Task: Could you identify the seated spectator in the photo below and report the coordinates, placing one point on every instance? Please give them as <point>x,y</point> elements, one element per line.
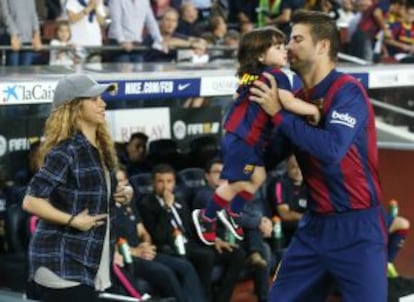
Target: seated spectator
<point>62,38</point>
<point>20,27</point>
<point>256,227</point>
<point>172,39</point>
<point>395,11</point>
<point>163,214</point>
<point>169,276</point>
<point>400,44</point>
<point>290,196</point>
<point>129,18</point>
<point>86,18</point>
<point>398,228</point>
<point>135,158</point>
<point>291,200</point>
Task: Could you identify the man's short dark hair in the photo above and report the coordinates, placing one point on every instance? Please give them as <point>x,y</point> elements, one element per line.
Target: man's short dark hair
<point>139,135</point>
<point>211,163</point>
<point>322,27</point>
<point>162,169</point>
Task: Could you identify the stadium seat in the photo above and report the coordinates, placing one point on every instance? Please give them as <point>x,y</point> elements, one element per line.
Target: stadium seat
<point>202,149</point>
<point>141,183</point>
<point>165,151</point>
<point>15,261</point>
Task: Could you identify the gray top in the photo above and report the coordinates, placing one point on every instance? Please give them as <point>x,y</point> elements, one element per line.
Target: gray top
<point>128,20</point>
<point>19,17</point>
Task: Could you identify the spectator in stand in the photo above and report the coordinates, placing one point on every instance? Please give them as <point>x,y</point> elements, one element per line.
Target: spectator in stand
<point>256,226</point>
<point>159,7</point>
<point>241,11</point>
<point>400,44</point>
<point>188,25</point>
<point>86,18</point>
<point>54,9</point>
<point>329,7</point>
<point>168,275</point>
<point>20,27</point>
<point>163,213</point>
<point>395,11</point>
<point>172,39</point>
<point>370,22</point>
<point>130,19</point>
<point>231,39</point>
<point>135,158</point>
<point>346,13</point>
<point>278,13</point>
<point>63,38</point>
<point>215,34</point>
<point>204,9</point>
<point>290,197</point>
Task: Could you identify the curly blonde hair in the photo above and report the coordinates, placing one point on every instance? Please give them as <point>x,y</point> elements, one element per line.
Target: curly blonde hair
<point>62,124</point>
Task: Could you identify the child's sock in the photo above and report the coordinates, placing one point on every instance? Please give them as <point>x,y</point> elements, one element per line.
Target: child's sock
<point>395,242</point>
<point>239,201</point>
<point>215,204</point>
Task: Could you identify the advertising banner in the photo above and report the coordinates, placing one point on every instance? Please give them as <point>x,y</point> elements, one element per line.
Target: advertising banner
<point>189,123</point>
<point>155,122</point>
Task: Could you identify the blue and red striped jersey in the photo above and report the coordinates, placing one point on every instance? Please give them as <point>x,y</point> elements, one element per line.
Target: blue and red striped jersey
<point>339,157</point>
<point>247,119</point>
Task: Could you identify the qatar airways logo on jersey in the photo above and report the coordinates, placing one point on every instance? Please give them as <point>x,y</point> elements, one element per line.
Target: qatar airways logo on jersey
<point>343,119</point>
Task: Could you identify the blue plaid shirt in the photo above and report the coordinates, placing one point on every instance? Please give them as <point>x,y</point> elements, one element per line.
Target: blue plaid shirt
<point>72,179</point>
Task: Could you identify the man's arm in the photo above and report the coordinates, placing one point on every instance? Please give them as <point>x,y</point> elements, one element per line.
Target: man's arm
<point>347,116</point>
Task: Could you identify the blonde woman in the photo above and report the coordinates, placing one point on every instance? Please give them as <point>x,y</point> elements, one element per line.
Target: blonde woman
<point>73,194</point>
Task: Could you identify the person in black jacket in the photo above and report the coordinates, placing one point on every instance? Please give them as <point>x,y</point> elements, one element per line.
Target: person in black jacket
<point>163,214</point>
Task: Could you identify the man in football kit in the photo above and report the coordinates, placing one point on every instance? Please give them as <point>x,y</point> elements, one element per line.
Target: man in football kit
<point>342,238</point>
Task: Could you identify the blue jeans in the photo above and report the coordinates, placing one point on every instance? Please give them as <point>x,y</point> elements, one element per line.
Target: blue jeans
<point>16,58</point>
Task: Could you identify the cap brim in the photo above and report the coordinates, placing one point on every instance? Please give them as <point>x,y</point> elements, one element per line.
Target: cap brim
<point>97,90</point>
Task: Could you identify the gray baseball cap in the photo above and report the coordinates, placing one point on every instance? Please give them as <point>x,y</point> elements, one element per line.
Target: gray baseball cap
<point>75,86</point>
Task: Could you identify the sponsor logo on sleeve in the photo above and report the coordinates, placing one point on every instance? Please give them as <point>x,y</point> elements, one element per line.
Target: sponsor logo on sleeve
<point>343,119</point>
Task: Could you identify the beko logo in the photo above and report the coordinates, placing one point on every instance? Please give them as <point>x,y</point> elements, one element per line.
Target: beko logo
<point>343,119</point>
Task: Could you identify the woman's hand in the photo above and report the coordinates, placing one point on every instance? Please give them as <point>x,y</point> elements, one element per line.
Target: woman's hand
<point>84,222</point>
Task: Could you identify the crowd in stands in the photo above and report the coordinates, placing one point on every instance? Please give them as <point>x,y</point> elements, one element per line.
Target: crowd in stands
<point>152,31</point>
<point>160,208</point>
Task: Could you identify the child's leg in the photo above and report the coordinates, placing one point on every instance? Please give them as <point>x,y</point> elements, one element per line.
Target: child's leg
<point>247,189</point>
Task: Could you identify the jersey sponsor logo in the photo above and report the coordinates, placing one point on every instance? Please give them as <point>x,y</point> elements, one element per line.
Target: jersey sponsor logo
<point>247,79</point>
<point>248,169</point>
<point>343,118</point>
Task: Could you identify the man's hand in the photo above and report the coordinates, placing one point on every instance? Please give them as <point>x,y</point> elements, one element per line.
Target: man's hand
<point>118,259</point>
<point>145,251</point>
<point>222,245</point>
<point>168,198</point>
<point>128,46</point>
<point>15,43</point>
<point>266,96</point>
<point>36,42</point>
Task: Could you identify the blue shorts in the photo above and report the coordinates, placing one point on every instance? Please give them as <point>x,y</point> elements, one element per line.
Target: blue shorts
<point>346,250</point>
<point>239,158</point>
